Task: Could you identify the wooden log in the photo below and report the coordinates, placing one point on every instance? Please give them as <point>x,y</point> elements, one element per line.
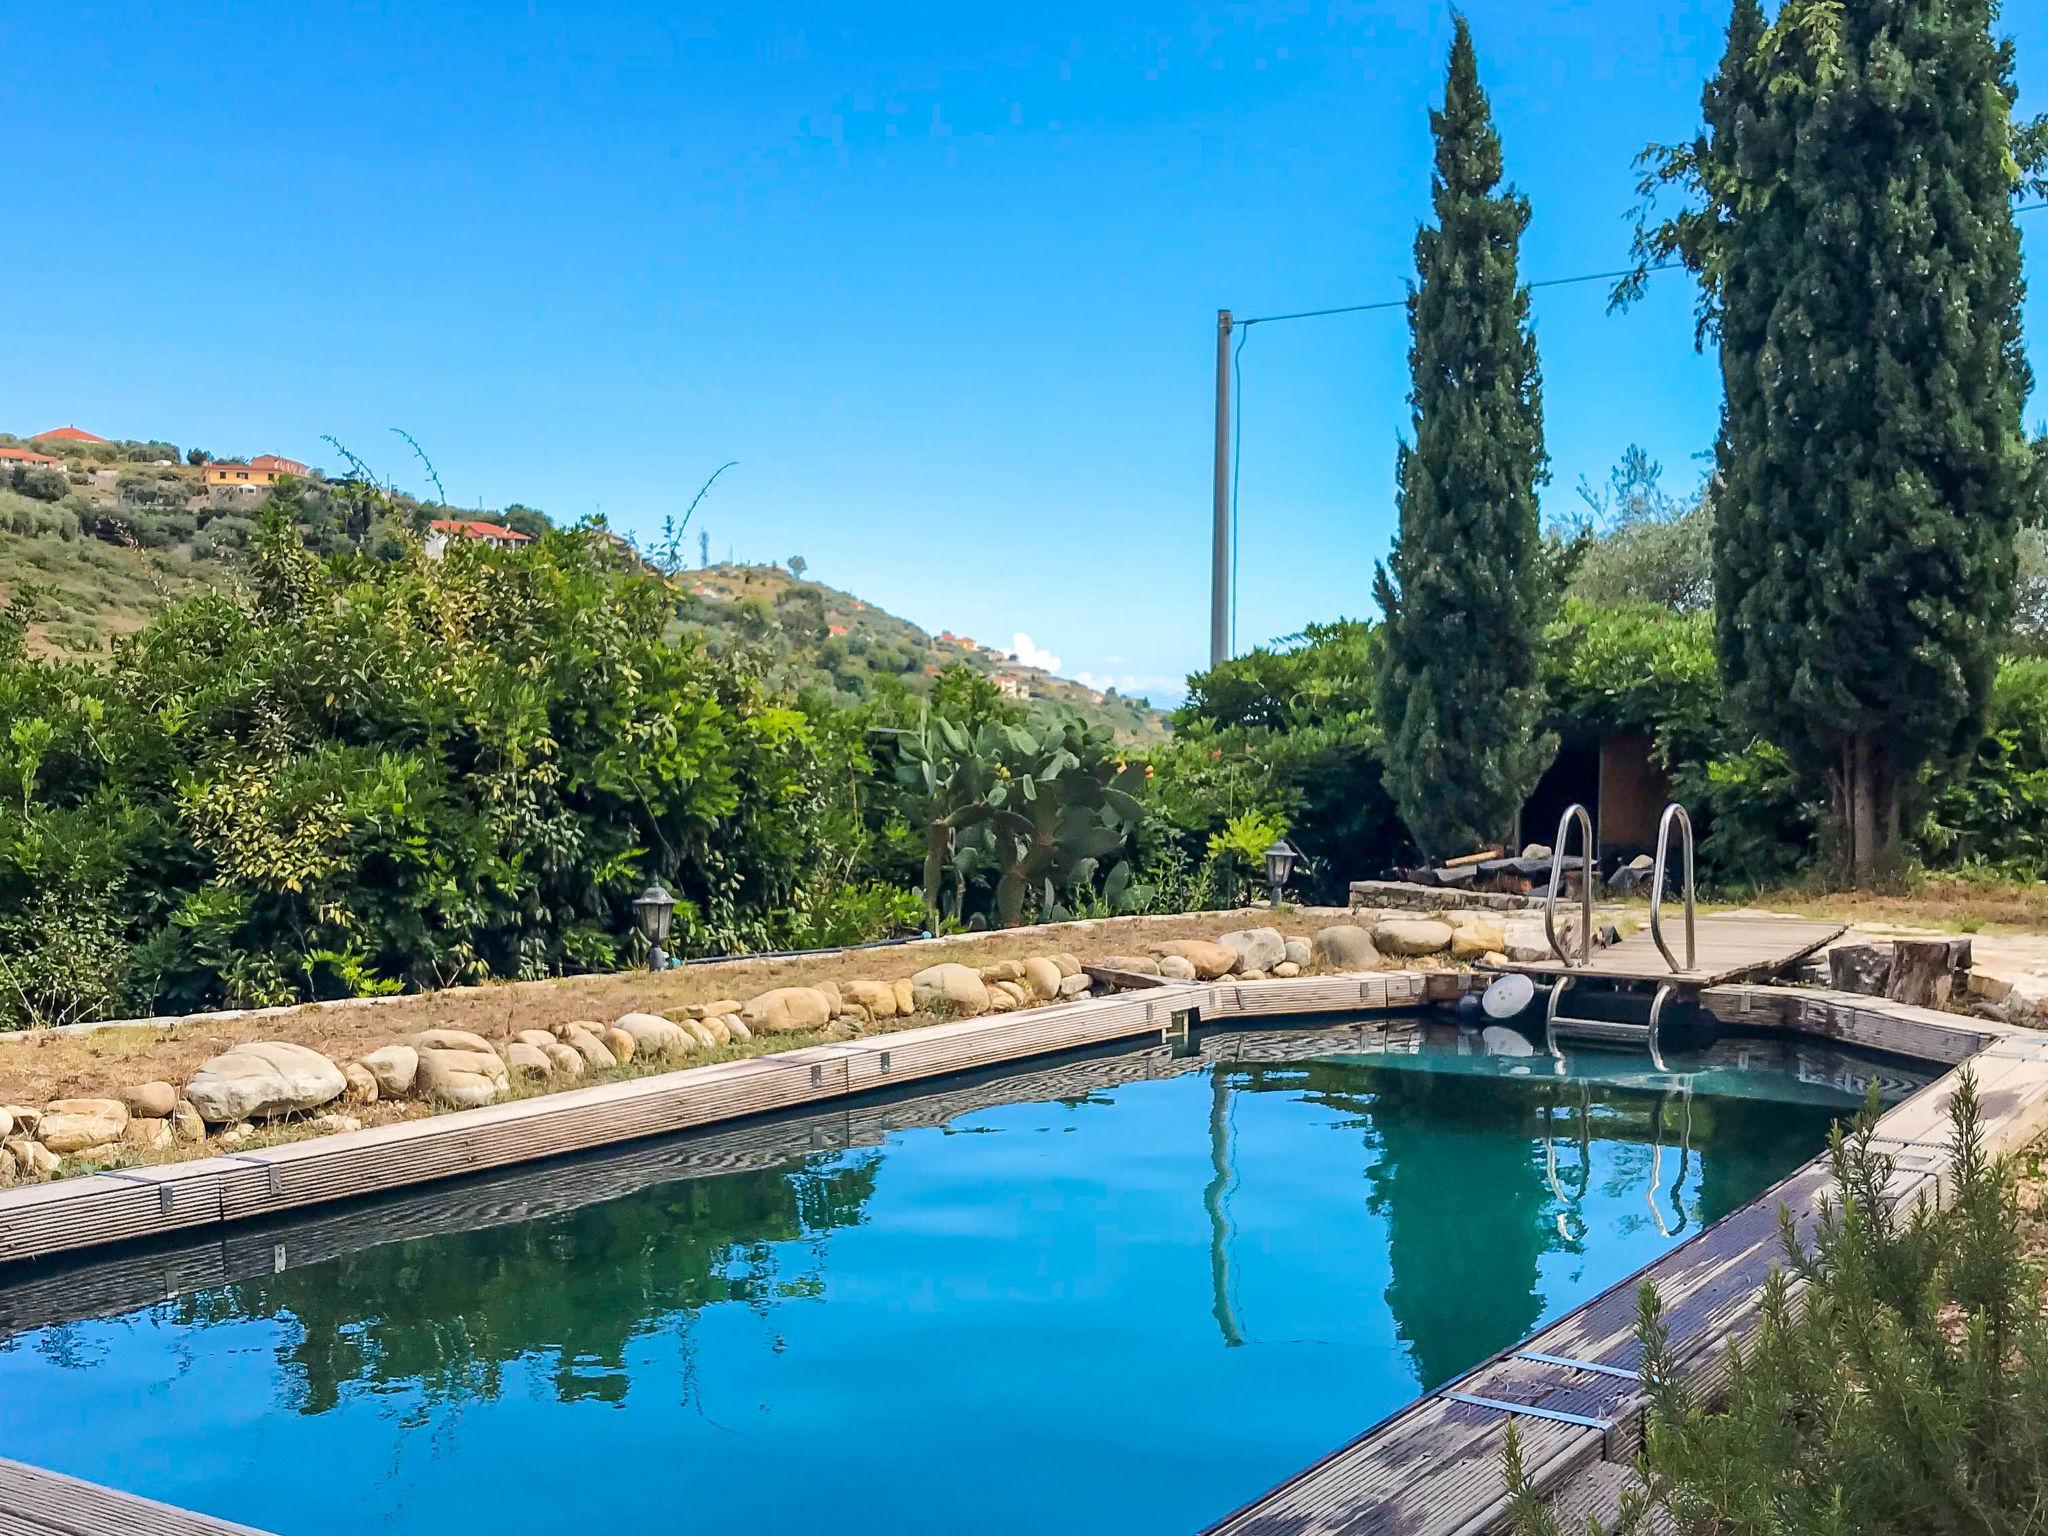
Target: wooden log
<point>1474,858</point>
<point>1923,972</point>
<point>1863,968</point>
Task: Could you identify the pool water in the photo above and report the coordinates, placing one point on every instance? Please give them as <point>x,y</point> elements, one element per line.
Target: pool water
<point>1123,1294</point>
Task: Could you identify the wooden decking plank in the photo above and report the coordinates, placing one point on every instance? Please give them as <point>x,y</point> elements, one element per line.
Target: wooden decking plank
<point>51,1504</point>
<point>1726,949</point>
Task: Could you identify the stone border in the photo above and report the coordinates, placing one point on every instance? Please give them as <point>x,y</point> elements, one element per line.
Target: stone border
<point>175,1023</point>
<point>123,1204</point>
<point>1384,895</point>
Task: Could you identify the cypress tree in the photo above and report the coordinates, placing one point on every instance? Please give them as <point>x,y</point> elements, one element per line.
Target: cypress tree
<point>1856,245</point>
<point>1463,591</point>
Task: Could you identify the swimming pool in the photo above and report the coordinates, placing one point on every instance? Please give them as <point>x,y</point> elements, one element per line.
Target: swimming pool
<point>1123,1292</point>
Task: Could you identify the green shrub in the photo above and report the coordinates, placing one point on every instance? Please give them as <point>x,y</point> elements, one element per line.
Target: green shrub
<point>354,774</point>
<point>41,482</point>
<point>1996,813</point>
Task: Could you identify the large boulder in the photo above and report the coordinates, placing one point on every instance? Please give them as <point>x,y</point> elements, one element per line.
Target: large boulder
<point>1070,965</point>
<point>146,1134</point>
<point>396,1068</point>
<point>906,996</point>
<point>530,1060</point>
<point>954,990</point>
<point>186,1124</point>
<point>569,1062</point>
<point>1411,935</point>
<point>1209,960</point>
<point>1300,952</point>
<point>878,997</point>
<point>700,1032</point>
<point>362,1084</point>
<point>150,1101</point>
<point>788,1011</point>
<point>1344,947</point>
<point>32,1158</point>
<point>1176,968</point>
<point>73,1125</point>
<point>1257,949</point>
<point>655,1036</point>
<point>1473,936</point>
<point>1526,940</point>
<point>1137,965</point>
<point>264,1079</point>
<point>1043,977</point>
<point>448,1040</point>
<point>459,1077</point>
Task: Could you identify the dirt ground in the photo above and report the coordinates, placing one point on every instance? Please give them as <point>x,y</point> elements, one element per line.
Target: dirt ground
<point>38,1066</point>
<point>1962,906</point>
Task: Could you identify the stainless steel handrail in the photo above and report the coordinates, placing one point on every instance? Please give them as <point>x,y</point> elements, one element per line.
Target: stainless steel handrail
<point>1672,811</point>
<point>1564,827</point>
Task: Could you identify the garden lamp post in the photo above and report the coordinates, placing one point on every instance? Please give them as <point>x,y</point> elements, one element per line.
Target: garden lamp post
<point>1279,869</point>
<point>653,909</point>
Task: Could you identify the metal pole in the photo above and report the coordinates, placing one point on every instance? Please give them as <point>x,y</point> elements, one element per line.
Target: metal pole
<point>1219,571</point>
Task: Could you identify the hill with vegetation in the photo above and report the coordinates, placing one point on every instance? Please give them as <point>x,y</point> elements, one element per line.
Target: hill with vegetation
<point>820,636</point>
<point>119,530</point>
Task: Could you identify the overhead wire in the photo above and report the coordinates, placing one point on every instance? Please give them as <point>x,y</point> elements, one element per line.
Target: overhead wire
<point>1237,373</point>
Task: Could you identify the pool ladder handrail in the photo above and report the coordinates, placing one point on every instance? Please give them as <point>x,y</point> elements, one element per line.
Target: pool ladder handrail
<point>1673,812</point>
<point>1572,813</point>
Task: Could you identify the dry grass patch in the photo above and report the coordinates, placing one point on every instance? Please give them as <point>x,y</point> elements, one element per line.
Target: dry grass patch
<point>1943,902</point>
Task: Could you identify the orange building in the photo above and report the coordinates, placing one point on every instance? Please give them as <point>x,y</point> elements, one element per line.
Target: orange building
<point>29,458</point>
<point>264,469</point>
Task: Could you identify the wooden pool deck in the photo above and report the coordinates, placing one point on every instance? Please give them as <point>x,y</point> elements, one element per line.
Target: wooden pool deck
<point>34,1502</point>
<point>1726,949</point>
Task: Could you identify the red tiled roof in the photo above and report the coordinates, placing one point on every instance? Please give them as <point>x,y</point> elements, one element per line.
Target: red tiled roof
<point>67,434</point>
<point>28,456</point>
<point>281,465</point>
<point>469,528</point>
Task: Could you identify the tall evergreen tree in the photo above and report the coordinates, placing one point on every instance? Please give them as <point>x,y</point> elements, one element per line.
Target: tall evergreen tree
<point>1464,591</point>
<point>1853,234</point>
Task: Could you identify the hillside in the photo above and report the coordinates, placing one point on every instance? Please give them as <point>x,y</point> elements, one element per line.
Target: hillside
<point>820,634</point>
<point>112,531</point>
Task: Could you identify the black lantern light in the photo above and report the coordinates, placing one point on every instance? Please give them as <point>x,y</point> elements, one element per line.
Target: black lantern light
<point>653,909</point>
<point>1279,869</point>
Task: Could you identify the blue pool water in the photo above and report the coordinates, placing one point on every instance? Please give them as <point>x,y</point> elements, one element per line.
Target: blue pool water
<point>1122,1294</point>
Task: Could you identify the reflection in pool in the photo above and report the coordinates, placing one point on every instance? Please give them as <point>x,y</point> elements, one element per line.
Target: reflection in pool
<point>1119,1293</point>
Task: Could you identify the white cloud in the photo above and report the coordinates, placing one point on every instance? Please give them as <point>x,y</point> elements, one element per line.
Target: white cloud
<point>1160,690</point>
<point>1026,650</point>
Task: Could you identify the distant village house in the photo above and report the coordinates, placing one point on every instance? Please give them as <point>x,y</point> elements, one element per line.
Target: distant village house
<point>444,529</point>
<point>264,469</point>
<point>28,458</point>
<point>66,435</point>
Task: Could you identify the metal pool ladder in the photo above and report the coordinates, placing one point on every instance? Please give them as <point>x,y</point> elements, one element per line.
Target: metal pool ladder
<point>1580,955</point>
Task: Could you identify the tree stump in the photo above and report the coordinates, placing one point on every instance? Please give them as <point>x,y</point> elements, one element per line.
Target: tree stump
<point>1923,972</point>
<point>1860,968</point>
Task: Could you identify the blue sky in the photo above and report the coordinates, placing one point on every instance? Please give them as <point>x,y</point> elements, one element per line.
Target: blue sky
<point>941,279</point>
